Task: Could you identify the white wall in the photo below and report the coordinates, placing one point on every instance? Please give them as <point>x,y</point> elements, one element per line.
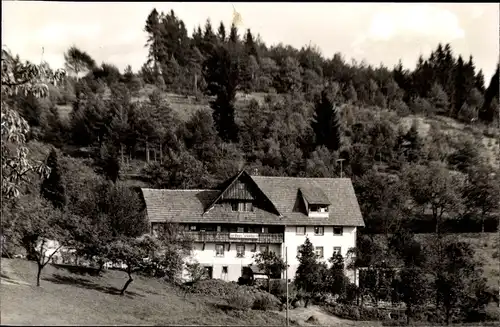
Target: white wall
<point>207,257</point>
<point>328,241</point>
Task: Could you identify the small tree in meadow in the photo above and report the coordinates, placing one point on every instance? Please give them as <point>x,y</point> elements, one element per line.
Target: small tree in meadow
<point>134,253</point>
<point>35,224</point>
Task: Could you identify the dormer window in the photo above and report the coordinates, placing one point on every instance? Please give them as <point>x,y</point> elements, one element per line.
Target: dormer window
<point>315,201</point>
<point>318,208</point>
<point>241,206</point>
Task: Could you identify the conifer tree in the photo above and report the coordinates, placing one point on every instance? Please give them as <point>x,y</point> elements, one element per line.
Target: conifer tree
<point>490,108</point>
<point>154,39</point>
<point>310,274</point>
<point>233,35</point>
<point>221,32</point>
<point>53,188</point>
<point>223,74</point>
<point>250,46</point>
<point>327,124</point>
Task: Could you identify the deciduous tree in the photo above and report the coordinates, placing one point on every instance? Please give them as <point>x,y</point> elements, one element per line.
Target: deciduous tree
<point>270,264</point>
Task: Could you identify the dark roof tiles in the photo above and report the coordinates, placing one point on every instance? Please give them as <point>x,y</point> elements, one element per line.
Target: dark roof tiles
<point>188,205</point>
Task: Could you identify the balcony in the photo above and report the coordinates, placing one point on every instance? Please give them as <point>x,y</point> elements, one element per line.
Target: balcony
<point>225,237</point>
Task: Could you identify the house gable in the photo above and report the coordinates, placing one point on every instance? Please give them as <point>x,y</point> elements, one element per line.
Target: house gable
<point>242,189</point>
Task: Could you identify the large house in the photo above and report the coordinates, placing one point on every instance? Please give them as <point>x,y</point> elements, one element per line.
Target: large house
<point>248,214</point>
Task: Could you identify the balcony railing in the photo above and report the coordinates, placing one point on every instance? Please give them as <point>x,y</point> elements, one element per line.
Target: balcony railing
<point>225,237</point>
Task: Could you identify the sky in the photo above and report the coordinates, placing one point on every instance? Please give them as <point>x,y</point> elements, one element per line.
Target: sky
<point>374,32</point>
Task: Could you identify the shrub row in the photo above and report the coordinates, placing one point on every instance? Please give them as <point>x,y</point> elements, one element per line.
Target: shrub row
<point>240,297</point>
<point>353,312</point>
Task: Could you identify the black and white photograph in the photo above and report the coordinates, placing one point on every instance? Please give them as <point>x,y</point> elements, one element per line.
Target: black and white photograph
<point>250,164</point>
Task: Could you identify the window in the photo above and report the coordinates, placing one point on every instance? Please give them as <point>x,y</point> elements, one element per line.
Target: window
<point>319,251</point>
<point>301,230</point>
<point>319,230</point>
<point>155,229</point>
<point>263,248</point>
<point>219,250</point>
<point>248,206</point>
<point>241,206</point>
<point>192,227</point>
<point>264,230</point>
<point>338,230</point>
<point>254,248</point>
<point>219,228</point>
<point>337,250</point>
<point>318,208</point>
<point>240,251</point>
<point>224,269</point>
<point>240,229</point>
<point>234,206</point>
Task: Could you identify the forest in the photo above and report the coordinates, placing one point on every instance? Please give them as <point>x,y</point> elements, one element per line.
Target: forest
<point>421,146</point>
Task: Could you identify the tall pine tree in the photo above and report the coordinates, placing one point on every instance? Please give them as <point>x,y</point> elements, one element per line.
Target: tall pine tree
<point>153,29</point>
<point>250,46</point>
<point>221,33</point>
<point>327,123</point>
<point>53,188</point>
<point>490,108</point>
<point>223,74</point>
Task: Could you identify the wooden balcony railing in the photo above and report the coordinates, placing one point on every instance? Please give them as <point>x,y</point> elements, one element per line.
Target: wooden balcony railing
<point>225,237</point>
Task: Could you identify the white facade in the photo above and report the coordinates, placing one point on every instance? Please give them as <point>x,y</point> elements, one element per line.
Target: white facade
<point>234,264</point>
<point>229,265</point>
<point>328,241</point>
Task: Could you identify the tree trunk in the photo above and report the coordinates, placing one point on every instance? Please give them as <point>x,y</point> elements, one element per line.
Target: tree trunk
<point>195,83</point>
<point>269,284</point>
<point>408,313</point>
<point>101,266</point>
<point>39,273</point>
<point>161,153</point>
<point>130,280</point>
<point>147,152</point>
<point>121,153</point>
<point>306,302</point>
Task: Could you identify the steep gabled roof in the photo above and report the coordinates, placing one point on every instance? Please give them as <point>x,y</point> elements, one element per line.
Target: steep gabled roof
<point>189,206</point>
<point>344,208</point>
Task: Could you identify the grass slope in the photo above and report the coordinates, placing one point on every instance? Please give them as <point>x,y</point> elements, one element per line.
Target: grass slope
<point>65,298</point>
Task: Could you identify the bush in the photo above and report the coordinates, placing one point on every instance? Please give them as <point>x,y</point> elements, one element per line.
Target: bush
<point>240,302</point>
<point>353,312</point>
<point>278,289</point>
<point>264,303</point>
<point>229,291</point>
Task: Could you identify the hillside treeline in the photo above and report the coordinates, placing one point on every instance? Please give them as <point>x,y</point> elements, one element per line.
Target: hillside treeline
<point>302,113</point>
